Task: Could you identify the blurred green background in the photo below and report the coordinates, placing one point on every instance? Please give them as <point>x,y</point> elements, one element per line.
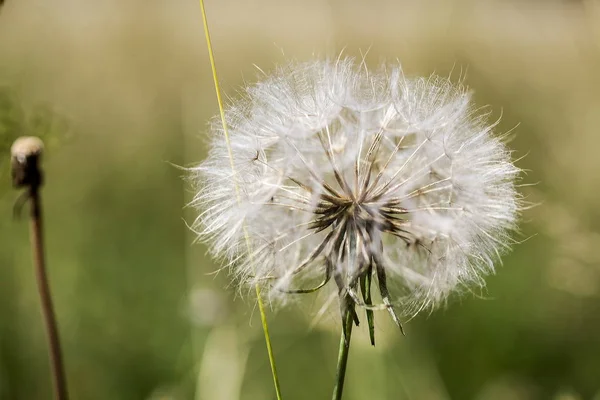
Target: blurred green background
<point>122,89</point>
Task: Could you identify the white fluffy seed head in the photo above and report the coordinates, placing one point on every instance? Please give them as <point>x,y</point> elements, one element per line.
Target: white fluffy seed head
<point>338,171</point>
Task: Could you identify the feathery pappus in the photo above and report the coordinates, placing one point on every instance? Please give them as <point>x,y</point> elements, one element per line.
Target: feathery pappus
<point>370,183</point>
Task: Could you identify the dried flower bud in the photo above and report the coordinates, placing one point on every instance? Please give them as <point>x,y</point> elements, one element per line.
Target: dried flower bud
<point>26,153</point>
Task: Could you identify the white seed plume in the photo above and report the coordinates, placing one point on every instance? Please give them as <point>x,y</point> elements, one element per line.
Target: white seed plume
<point>345,173</point>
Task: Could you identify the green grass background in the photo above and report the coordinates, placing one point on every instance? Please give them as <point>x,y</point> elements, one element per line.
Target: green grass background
<point>122,89</point>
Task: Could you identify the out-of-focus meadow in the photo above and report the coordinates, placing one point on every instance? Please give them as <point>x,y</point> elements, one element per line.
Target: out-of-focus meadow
<point>122,91</point>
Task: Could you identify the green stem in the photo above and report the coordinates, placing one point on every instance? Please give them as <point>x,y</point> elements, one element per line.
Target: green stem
<point>261,308</point>
<point>343,356</point>
<point>265,326</point>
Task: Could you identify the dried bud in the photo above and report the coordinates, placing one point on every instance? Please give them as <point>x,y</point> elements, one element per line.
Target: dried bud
<point>26,152</point>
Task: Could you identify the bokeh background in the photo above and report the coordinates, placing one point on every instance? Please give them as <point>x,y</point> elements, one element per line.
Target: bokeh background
<point>121,91</point>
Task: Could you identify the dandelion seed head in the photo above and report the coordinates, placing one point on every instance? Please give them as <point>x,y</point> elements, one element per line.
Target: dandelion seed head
<point>340,172</point>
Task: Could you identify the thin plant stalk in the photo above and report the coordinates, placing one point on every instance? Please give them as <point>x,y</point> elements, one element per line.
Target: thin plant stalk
<point>37,244</point>
<point>343,353</point>
<point>261,307</point>
<point>26,153</point>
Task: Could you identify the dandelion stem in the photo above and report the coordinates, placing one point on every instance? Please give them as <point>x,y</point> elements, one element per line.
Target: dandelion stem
<point>37,244</point>
<point>261,307</point>
<point>340,376</point>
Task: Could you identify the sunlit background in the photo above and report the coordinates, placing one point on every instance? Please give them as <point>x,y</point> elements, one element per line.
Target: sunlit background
<point>121,92</point>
